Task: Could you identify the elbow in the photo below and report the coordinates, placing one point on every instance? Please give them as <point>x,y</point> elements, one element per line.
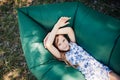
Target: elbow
<point>74,41</point>
<point>48,45</point>
<point>70,29</point>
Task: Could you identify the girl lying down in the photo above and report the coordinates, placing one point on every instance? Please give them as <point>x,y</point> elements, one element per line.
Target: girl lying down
<point>65,49</point>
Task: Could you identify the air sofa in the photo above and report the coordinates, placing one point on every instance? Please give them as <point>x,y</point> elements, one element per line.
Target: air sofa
<point>97,33</point>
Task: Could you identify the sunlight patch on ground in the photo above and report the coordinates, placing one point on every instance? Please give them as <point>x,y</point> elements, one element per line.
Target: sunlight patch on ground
<point>11,75</point>
<point>1,57</point>
<point>2,2</point>
<point>16,2</point>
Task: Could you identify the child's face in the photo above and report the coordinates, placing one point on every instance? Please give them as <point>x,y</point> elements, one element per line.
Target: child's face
<point>62,43</point>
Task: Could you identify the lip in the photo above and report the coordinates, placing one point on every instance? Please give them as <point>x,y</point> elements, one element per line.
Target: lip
<point>65,47</point>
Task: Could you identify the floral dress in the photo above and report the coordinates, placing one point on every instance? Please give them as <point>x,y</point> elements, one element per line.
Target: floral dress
<point>89,66</point>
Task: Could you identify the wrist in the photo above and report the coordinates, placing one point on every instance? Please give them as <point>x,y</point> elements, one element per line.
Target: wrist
<point>57,26</point>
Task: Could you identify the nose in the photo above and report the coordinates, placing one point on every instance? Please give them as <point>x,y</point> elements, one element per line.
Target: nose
<point>63,45</point>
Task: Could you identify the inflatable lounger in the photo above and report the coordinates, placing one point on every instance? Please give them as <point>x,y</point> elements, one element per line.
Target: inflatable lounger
<point>97,33</point>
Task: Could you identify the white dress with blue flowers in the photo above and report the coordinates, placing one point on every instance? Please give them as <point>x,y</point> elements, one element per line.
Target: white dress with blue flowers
<point>89,66</point>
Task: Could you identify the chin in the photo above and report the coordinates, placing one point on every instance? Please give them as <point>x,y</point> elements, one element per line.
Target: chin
<point>66,49</point>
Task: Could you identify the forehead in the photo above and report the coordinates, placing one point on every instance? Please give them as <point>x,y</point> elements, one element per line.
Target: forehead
<point>58,38</point>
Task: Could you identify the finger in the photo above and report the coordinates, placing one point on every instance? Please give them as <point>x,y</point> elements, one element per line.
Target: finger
<point>67,20</point>
<point>67,17</point>
<point>45,39</point>
<point>67,23</point>
<point>44,44</point>
<point>64,19</point>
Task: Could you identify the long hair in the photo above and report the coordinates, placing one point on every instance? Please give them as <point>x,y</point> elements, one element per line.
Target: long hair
<point>63,55</point>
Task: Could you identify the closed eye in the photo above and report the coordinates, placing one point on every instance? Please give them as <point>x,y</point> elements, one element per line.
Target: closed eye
<point>63,40</point>
<point>59,44</point>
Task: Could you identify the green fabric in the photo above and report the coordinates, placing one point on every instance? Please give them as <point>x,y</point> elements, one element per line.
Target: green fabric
<point>115,57</point>
<point>97,33</point>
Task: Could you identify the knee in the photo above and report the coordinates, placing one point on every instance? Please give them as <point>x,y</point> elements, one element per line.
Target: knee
<point>114,76</point>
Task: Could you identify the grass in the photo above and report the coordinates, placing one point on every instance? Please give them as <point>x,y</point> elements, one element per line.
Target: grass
<point>12,61</point>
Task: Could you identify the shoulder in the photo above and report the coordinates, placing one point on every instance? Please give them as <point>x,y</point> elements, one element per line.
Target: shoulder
<point>73,44</point>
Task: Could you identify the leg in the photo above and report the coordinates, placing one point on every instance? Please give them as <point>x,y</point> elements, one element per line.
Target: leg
<point>114,76</point>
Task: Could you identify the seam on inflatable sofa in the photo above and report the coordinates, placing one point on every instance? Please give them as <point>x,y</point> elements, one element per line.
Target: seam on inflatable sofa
<point>116,40</point>
<point>43,74</point>
<point>87,12</point>
<point>75,14</point>
<point>31,17</point>
<point>46,62</point>
<point>42,64</point>
<point>46,73</point>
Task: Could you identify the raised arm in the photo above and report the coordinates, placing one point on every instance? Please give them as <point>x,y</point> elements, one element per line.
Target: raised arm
<point>69,31</point>
<point>49,42</point>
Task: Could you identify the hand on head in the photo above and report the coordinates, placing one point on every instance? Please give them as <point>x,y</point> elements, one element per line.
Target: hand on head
<point>63,21</point>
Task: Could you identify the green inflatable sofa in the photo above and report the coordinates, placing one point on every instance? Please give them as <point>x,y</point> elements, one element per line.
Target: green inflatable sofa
<point>97,33</point>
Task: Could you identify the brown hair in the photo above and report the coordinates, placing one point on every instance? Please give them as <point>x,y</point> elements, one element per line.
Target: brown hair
<point>55,40</point>
<point>63,58</point>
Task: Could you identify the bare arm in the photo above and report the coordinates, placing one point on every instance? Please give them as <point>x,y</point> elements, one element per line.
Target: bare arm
<point>69,31</point>
<point>53,49</point>
<point>49,42</point>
